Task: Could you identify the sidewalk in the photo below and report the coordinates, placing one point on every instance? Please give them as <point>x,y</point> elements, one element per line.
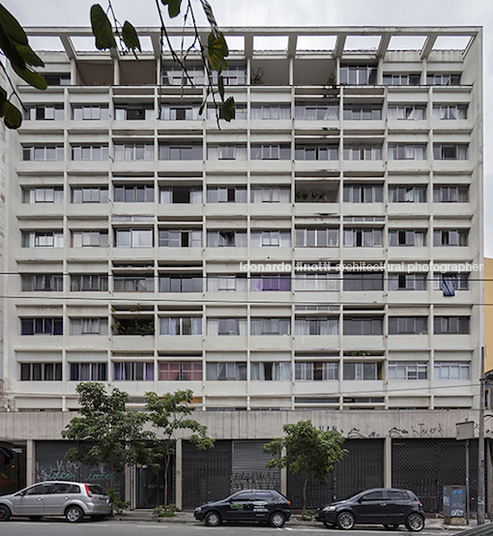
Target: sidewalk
<point>145,516</point>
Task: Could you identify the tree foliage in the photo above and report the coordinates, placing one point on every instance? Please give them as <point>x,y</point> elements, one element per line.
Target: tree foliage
<point>304,449</point>
<point>169,414</point>
<point>106,432</point>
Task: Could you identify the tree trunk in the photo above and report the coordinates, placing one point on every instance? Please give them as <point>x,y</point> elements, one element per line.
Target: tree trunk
<point>304,490</point>
<point>166,466</point>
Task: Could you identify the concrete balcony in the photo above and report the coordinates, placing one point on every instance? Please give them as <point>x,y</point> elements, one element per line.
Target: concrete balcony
<point>188,343</point>
<point>270,342</point>
<point>316,342</point>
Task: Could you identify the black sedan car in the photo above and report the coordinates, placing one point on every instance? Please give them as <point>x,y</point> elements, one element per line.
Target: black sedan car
<point>247,505</point>
<point>390,507</point>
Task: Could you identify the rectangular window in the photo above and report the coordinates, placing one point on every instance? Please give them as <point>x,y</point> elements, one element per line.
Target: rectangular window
<point>226,371</point>
<point>270,371</point>
<point>134,112</point>
<point>353,112</point>
<point>41,112</point>
<point>362,237</point>
<point>132,283</point>
<point>42,239</point>
<point>405,237</point>
<point>358,75</point>
<point>232,239</point>
<point>180,112</point>
<point>451,281</point>
<point>410,112</point>
<point>451,325</point>
<point>412,79</point>
<point>226,152</point>
<point>270,111</point>
<point>407,281</point>
<point>445,151</point>
<point>133,371</point>
<point>270,326</point>
<point>408,325</point>
<point>177,283</point>
<point>270,239</point>
<point>363,282</point>
<point>363,193</point>
<point>312,282</point>
<point>42,195</point>
<point>270,282</point>
<point>457,111</point>
<point>233,75</point>
<point>94,194</point>
<point>449,237</point>
<point>316,152</point>
<point>219,283</point>
<point>270,195</point>
<point>173,76</point>
<point>363,325</point>
<point>180,194</point>
<point>226,326</point>
<point>88,372</point>
<point>362,371</point>
<point>41,282</point>
<point>409,151</point>
<point>407,194</point>
<point>134,151</point>
<point>95,112</point>
<point>46,372</point>
<point>134,238</point>
<point>313,111</point>
<point>216,113</point>
<point>451,194</point>
<point>42,153</point>
<point>89,153</point>
<point>180,239</point>
<point>316,371</point>
<point>314,325</point>
<point>362,152</point>
<point>452,371</point>
<point>223,194</point>
<point>89,283</point>
<point>317,238</point>
<point>403,370</point>
<point>280,151</point>
<point>132,193</point>
<point>41,326</point>
<point>443,79</point>
<point>176,151</point>
<point>183,325</point>
<point>183,371</point>
<point>94,239</point>
<point>88,326</point>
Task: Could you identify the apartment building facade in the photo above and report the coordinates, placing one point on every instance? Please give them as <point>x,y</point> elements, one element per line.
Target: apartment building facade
<point>320,256</point>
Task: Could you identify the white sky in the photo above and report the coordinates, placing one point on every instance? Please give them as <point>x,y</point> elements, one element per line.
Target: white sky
<point>248,13</point>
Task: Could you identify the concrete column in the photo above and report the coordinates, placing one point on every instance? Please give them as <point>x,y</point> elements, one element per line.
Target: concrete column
<point>179,473</point>
<point>128,483</point>
<point>30,463</point>
<point>284,481</point>
<point>387,463</point>
<point>489,479</point>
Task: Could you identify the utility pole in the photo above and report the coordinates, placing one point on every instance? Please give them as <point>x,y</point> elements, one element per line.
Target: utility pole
<point>481,501</point>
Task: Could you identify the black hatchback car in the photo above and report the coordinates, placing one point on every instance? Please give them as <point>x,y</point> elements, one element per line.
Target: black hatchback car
<point>390,507</point>
<point>247,505</point>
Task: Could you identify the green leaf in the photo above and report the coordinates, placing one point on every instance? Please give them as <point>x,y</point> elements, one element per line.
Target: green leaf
<point>12,115</point>
<point>220,85</point>
<point>174,7</point>
<point>130,37</point>
<point>101,28</point>
<point>10,50</point>
<point>218,49</point>
<point>12,27</point>
<point>28,55</point>
<point>31,77</point>
<point>228,109</point>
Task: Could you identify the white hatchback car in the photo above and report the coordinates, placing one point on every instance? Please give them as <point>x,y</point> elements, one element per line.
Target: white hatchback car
<point>70,499</point>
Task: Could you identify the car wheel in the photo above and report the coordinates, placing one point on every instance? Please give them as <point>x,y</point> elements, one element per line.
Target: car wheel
<point>415,522</point>
<point>73,514</point>
<point>345,520</point>
<point>4,513</point>
<point>35,518</point>
<point>277,519</point>
<point>393,526</point>
<point>212,519</point>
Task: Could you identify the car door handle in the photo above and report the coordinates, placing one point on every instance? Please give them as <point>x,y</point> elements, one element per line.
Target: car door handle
<point>66,497</point>
<point>40,498</point>
<point>383,504</point>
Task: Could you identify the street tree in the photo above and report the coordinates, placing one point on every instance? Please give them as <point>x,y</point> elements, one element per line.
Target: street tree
<point>306,450</point>
<point>113,35</point>
<point>105,431</point>
<point>170,414</point>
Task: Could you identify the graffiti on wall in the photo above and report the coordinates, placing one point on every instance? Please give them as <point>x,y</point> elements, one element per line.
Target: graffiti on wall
<point>74,471</point>
<point>418,430</point>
